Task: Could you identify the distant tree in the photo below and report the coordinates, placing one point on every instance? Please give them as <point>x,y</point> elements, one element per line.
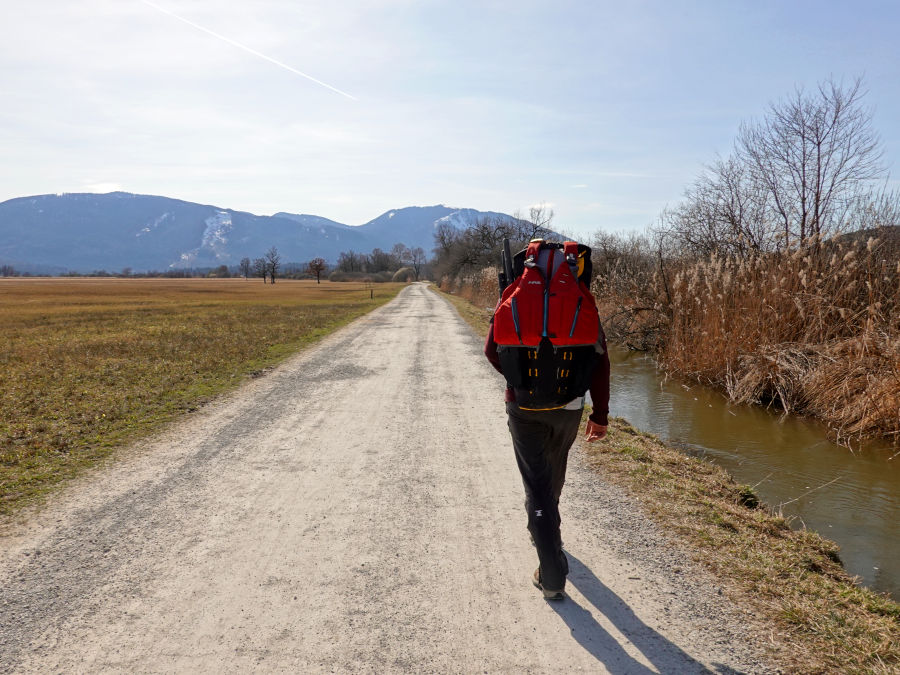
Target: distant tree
<point>245,267</point>
<point>221,272</point>
<point>538,224</point>
<point>316,266</point>
<point>400,254</point>
<point>260,268</point>
<point>478,246</point>
<point>7,271</point>
<point>416,258</point>
<point>380,261</point>
<point>273,261</point>
<point>126,272</point>
<point>349,261</point>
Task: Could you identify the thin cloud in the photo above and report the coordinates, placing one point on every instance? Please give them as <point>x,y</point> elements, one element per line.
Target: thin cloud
<point>246,49</point>
<point>578,186</point>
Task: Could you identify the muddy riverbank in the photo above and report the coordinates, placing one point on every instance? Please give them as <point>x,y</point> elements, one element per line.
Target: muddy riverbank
<point>852,498</point>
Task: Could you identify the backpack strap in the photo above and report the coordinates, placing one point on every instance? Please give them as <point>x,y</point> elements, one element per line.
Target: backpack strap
<point>532,252</point>
<point>570,250</point>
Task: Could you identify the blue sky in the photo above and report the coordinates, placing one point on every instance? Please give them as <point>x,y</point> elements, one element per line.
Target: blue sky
<point>605,111</point>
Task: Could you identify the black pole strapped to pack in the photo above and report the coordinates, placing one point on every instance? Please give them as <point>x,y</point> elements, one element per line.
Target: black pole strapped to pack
<point>506,274</point>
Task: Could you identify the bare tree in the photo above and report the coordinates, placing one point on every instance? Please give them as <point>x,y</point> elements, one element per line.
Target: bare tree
<point>416,259</point>
<point>400,253</point>
<point>806,171</point>
<point>316,266</point>
<point>815,154</point>
<point>349,261</point>
<point>273,261</point>
<point>380,261</point>
<point>725,211</point>
<point>244,267</point>
<point>540,216</point>
<point>261,268</point>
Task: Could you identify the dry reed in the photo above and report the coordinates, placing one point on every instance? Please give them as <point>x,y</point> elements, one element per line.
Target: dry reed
<point>815,331</point>
<point>480,287</point>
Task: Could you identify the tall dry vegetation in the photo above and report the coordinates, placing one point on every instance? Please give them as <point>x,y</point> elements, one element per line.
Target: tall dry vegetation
<point>478,287</point>
<point>781,282</point>
<point>815,330</point>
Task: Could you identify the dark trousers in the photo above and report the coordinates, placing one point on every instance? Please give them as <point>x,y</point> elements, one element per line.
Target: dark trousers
<point>541,441</point>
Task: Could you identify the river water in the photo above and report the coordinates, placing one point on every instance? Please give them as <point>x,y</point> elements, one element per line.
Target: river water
<point>852,498</point>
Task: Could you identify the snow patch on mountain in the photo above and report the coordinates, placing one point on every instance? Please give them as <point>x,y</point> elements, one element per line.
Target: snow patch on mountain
<point>212,244</point>
<point>214,238</point>
<point>152,226</point>
<point>459,220</point>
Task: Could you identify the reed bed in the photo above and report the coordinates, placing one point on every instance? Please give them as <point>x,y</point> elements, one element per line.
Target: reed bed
<point>479,287</point>
<point>88,364</point>
<point>815,331</point>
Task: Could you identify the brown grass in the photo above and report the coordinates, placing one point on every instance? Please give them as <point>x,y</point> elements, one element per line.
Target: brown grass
<point>479,288</point>
<point>815,331</point>
<point>817,618</point>
<point>89,364</point>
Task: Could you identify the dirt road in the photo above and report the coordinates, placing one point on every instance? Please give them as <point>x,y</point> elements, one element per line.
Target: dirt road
<point>356,510</point>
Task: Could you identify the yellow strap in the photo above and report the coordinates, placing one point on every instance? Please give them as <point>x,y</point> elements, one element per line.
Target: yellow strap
<point>560,407</point>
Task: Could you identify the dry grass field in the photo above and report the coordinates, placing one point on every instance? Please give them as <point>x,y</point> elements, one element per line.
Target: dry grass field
<point>88,364</point>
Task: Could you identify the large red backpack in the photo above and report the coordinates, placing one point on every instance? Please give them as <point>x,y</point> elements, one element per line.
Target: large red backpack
<point>546,325</point>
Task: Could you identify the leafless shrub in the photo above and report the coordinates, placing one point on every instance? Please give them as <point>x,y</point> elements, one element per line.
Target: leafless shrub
<point>629,283</point>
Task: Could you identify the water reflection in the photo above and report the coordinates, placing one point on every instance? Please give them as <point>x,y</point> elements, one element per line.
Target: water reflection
<point>851,498</point>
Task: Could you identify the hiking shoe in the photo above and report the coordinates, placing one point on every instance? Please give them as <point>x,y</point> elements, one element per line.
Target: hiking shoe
<point>548,594</point>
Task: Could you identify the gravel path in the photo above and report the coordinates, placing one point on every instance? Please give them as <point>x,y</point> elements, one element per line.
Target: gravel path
<point>355,510</point>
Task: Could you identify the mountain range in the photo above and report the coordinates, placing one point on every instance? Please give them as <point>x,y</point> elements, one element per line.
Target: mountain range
<point>87,232</point>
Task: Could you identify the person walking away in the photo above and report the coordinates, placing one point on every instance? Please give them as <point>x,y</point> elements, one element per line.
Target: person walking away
<point>547,341</point>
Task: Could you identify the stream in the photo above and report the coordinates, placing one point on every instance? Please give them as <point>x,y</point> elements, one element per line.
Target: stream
<point>852,498</point>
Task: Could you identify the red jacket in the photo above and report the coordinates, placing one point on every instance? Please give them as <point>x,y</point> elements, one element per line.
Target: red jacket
<point>599,382</point>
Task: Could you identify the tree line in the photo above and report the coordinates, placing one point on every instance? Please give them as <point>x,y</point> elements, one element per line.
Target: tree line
<point>410,263</point>
<point>380,264</point>
<point>461,252</point>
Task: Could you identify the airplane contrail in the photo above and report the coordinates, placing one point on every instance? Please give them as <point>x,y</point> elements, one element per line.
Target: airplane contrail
<point>246,48</point>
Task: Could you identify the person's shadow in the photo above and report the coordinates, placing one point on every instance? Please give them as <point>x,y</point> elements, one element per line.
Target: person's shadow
<point>665,656</point>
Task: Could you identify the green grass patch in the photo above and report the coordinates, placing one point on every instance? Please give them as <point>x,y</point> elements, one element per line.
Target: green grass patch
<point>90,364</point>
